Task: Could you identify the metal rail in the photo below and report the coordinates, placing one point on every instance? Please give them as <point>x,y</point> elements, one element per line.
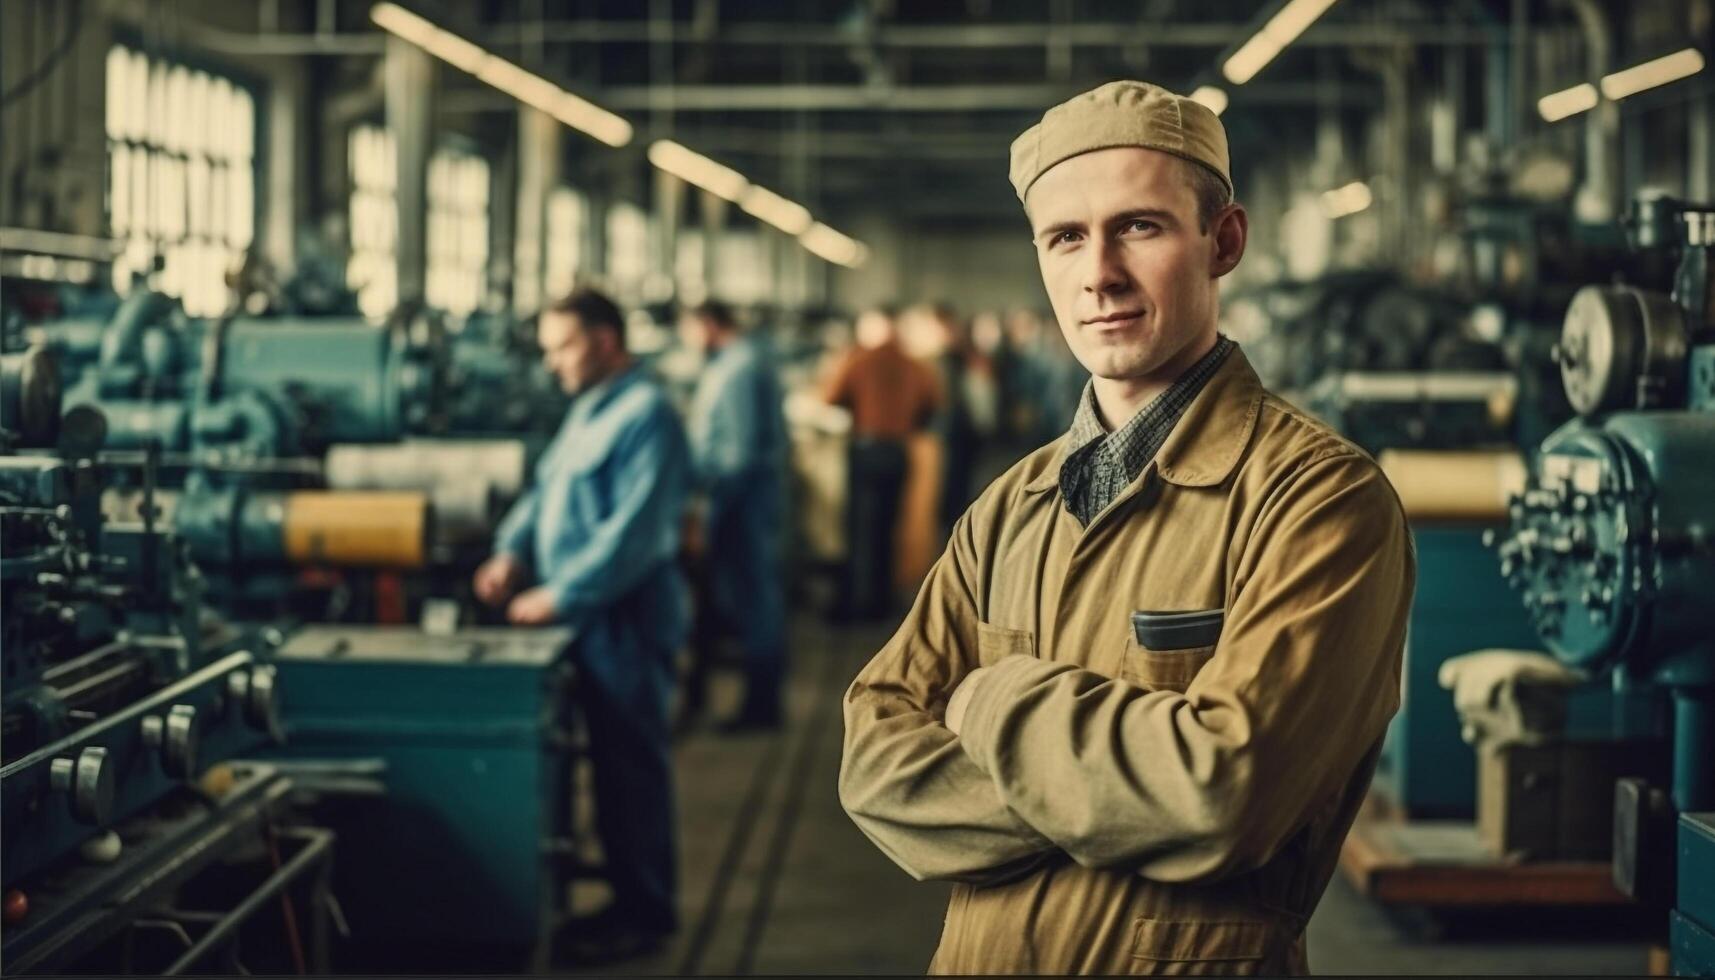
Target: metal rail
<point>317,849</point>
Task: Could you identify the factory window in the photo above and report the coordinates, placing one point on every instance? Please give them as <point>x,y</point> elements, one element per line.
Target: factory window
<point>373,271</point>
<point>690,265</point>
<point>563,247</point>
<point>181,176</point>
<point>742,268</point>
<point>457,232</point>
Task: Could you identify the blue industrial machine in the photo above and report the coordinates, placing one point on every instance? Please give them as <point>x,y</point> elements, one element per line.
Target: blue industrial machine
<point>285,445</point>
<point>1612,545</point>
<point>247,386</point>
<point>120,689</point>
<point>1461,604</point>
<point>271,387</point>
<point>468,839</point>
<point>1403,372</point>
<point>1691,931</point>
<point>497,385</point>
<point>294,448</point>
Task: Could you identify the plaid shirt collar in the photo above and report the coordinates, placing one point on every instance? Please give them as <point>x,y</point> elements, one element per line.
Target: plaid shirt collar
<point>1099,464</point>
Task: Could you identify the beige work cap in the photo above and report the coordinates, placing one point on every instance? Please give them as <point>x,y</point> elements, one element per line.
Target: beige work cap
<point>1120,114</point>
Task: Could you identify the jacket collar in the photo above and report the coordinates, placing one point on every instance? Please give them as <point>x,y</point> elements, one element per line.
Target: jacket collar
<point>1206,444</point>
<point>597,397</point>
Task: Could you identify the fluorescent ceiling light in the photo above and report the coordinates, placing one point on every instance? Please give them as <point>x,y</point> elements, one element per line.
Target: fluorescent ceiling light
<point>1281,30</point>
<point>1568,102</point>
<point>833,246</point>
<point>788,216</point>
<point>1350,199</point>
<point>526,87</point>
<point>697,170</point>
<point>1212,98</point>
<point>1670,68</point>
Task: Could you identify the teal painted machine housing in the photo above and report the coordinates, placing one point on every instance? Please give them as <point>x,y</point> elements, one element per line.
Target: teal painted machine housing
<point>131,770</point>
<point>249,386</point>
<point>1613,550</point>
<point>1693,922</point>
<point>1626,502</point>
<point>363,381</point>
<point>471,730</point>
<point>1461,604</point>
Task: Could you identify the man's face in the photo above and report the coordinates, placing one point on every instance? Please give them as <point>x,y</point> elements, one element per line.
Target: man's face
<point>573,354</point>
<point>1129,272</point>
<point>696,333</point>
<point>874,328</point>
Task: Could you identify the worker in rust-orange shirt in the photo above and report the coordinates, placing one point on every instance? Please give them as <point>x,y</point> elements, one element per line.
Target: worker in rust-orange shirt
<point>890,396</point>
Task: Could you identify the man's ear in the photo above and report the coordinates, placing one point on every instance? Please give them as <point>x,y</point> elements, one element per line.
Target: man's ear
<point>1231,231</point>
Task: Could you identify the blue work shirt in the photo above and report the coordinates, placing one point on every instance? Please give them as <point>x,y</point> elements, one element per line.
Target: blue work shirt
<point>738,426</point>
<point>739,445</point>
<point>601,526</point>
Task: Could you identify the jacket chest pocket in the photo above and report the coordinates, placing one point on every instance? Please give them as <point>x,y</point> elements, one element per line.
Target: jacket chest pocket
<point>1164,651</point>
<point>996,643</point>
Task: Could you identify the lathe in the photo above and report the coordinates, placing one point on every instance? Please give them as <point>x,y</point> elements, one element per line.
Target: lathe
<point>1612,546</point>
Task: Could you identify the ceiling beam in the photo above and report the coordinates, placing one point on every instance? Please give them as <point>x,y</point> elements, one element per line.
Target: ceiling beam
<point>1030,35</point>
<point>893,99</point>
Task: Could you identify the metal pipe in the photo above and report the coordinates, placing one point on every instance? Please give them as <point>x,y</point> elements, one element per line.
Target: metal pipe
<point>1598,199</point>
<point>1518,101</point>
<point>133,713</point>
<point>318,844</point>
<point>1019,35</point>
<point>111,677</point>
<point>410,106</point>
<point>1694,749</point>
<point>59,670</point>
<point>122,343</point>
<point>889,98</point>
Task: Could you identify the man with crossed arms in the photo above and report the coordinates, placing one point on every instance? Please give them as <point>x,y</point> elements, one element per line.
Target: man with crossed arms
<point>1139,699</point>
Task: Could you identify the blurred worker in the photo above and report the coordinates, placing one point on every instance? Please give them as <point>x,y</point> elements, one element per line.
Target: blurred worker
<point>1139,700</point>
<point>738,443</point>
<point>598,535</point>
<point>1048,380</point>
<point>955,419</point>
<point>890,396</point>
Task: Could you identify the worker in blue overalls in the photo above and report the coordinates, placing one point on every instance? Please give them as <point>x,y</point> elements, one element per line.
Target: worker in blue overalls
<point>598,536</point>
<point>738,442</point>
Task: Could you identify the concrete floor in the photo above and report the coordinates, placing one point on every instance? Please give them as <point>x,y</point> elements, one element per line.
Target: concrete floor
<point>776,879</point>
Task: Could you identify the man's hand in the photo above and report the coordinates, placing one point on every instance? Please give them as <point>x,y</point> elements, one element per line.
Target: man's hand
<point>691,542</point>
<point>497,578</point>
<point>962,699</point>
<point>533,607</point>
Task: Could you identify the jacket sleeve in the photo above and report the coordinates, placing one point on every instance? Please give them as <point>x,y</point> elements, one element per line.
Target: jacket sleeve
<point>1300,688</point>
<point>903,777</point>
<point>518,527</point>
<point>593,566</point>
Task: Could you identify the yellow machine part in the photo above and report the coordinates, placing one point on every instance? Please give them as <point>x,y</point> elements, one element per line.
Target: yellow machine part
<point>1448,485</point>
<point>378,529</point>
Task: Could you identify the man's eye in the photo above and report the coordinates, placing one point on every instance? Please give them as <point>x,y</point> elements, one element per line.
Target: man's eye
<point>1141,224</point>
<point>1063,238</point>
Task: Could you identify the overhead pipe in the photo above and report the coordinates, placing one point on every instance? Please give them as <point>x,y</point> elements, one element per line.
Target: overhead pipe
<point>1598,199</point>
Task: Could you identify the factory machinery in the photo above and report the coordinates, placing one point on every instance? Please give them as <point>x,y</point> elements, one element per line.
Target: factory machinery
<point>1612,546</point>
<point>442,757</point>
<point>1433,385</point>
<point>379,456</point>
<point>124,700</point>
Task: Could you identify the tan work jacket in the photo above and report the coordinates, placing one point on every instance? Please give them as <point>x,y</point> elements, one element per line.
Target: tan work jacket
<point>1107,807</point>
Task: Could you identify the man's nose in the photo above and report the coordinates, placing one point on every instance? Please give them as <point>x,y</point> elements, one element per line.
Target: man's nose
<point>1103,271</point>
